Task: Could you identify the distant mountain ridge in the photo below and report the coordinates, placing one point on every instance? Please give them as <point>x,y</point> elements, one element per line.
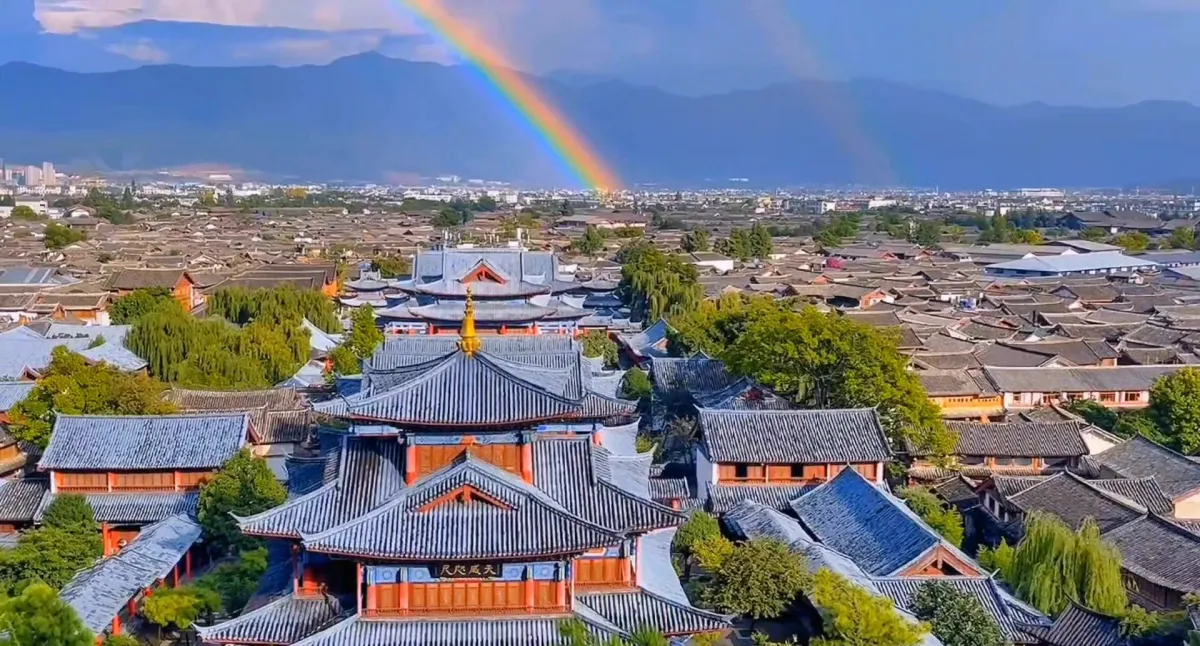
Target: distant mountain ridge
<point>369,117</point>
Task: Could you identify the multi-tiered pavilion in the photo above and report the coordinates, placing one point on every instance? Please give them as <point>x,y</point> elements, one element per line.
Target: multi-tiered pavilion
<point>478,490</point>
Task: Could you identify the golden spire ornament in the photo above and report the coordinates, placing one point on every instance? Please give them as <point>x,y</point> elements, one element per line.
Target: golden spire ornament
<point>469,343</point>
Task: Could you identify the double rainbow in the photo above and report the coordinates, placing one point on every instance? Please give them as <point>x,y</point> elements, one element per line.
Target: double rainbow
<point>578,157</point>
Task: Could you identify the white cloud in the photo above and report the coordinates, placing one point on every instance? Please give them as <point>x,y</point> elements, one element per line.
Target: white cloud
<point>142,51</point>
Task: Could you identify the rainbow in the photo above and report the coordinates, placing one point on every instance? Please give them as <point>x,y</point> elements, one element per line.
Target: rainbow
<point>568,146</point>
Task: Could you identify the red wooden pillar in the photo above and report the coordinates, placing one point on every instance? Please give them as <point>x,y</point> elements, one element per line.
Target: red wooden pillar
<point>358,588</point>
<point>178,481</point>
<point>105,539</point>
<point>405,592</point>
<point>116,625</point>
<point>112,481</point>
<point>410,464</point>
<point>560,593</point>
<point>527,461</point>
<point>530,591</point>
<point>187,564</point>
<point>372,599</point>
<point>175,571</point>
<point>626,569</point>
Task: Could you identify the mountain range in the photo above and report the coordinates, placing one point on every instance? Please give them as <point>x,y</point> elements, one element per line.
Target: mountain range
<point>369,117</point>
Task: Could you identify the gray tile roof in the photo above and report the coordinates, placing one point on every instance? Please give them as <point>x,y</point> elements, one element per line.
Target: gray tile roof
<point>723,498</point>
<point>1160,552</point>
<point>1008,613</point>
<point>743,394</point>
<point>97,443</point>
<point>751,520</point>
<point>1087,379</point>
<point>1143,491</point>
<point>462,390</point>
<point>867,524</point>
<point>364,474</point>
<point>98,594</point>
<point>1019,439</point>
<point>1073,499</point>
<point>1078,626</point>
<point>675,377</point>
<point>949,383</point>
<point>12,392</point>
<point>575,473</point>
<point>634,609</point>
<point>405,529</point>
<point>21,498</point>
<point>284,621</point>
<point>135,508</point>
<point>431,631</point>
<point>20,354</point>
<point>1138,457</point>
<point>793,436</point>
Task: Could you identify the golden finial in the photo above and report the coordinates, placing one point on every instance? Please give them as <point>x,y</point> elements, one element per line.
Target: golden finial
<point>470,343</point>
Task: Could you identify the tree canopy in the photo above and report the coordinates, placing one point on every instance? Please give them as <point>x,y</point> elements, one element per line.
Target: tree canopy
<point>695,241</point>
<point>746,244</point>
<point>636,385</point>
<point>1053,566</point>
<point>852,616</point>
<point>244,486</point>
<point>72,386</point>
<point>590,243</point>
<point>68,541</point>
<point>392,266</point>
<point>824,360</point>
<point>39,616</point>
<point>597,343</point>
<point>1175,408</point>
<point>269,346</point>
<point>760,579</point>
<point>657,284</point>
<point>24,212</point>
<point>58,236</point>
<point>234,582</point>
<point>943,519</point>
<point>955,617</point>
<point>132,306</point>
<point>365,336</point>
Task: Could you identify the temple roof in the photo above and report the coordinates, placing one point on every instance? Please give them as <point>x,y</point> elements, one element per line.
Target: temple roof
<point>492,273</point>
<point>135,508</point>
<point>98,594</point>
<point>458,389</point>
<point>98,443</point>
<point>422,523</point>
<point>438,631</point>
<point>364,473</point>
<point>286,620</point>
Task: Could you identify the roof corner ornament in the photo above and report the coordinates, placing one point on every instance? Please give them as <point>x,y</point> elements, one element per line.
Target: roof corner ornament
<point>470,343</point>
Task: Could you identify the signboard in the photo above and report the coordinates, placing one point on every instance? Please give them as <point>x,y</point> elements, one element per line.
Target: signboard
<point>466,570</point>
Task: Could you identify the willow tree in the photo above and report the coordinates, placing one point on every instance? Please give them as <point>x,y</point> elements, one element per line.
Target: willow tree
<point>242,306</point>
<point>657,284</point>
<point>1054,566</point>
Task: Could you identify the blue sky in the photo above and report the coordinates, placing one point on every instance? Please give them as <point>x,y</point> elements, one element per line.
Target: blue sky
<point>1090,52</point>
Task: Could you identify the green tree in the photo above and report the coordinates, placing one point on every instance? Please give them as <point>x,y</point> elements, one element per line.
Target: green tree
<point>928,234</point>
<point>1093,234</point>
<point>24,212</point>
<point>447,217</point>
<point>392,266</point>
<point>943,519</point>
<point>700,526</point>
<point>998,559</point>
<point>132,306</point>
<point>365,336</point>
<point>591,243</point>
<point>243,487</point>
<point>1133,241</point>
<point>655,284</point>
<point>1093,412</point>
<point>955,617</point>
<point>485,203</point>
<point>72,386</point>
<point>1028,236</point>
<point>177,608</point>
<point>1183,238</point>
<point>760,242</point>
<point>68,541</point>
<point>852,616</point>
<point>636,385</point>
<point>1175,408</point>
<point>235,582</point>
<point>39,616</point>
<point>344,361</point>
<point>1138,422</point>
<point>693,241</point>
<point>1053,565</point>
<point>121,640</point>
<point>829,361</point>
<point>597,343</point>
<point>58,236</point>
<point>576,633</point>
<point>760,579</point>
